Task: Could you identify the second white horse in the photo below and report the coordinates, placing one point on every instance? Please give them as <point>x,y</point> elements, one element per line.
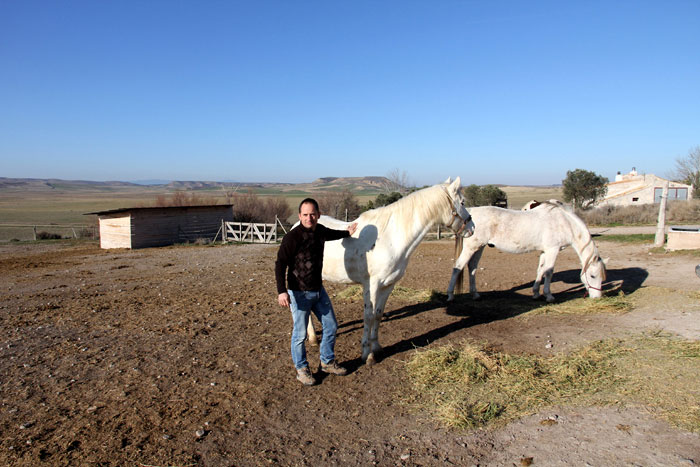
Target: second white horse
<point>548,228</point>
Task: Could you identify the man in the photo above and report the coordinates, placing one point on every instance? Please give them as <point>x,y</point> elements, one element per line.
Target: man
<point>300,258</point>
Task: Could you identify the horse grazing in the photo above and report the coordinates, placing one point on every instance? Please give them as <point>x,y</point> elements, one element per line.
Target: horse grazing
<point>547,227</point>
<point>377,254</point>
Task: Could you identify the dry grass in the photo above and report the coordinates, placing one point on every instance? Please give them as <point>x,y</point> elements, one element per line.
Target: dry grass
<point>469,386</point>
<point>354,293</point>
<point>663,374</point>
<point>677,212</point>
<point>612,302</point>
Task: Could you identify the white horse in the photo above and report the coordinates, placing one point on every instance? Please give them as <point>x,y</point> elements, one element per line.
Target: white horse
<point>377,254</point>
<point>548,228</point>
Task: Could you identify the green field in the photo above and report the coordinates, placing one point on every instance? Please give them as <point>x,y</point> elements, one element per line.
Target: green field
<point>61,207</point>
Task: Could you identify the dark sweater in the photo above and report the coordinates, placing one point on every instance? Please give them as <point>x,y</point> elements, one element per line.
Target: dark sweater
<point>301,256</point>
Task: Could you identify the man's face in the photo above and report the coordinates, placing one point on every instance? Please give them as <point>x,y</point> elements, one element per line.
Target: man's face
<point>308,216</point>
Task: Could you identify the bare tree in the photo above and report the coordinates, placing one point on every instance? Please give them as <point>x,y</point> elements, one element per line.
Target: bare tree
<point>182,198</point>
<point>397,181</point>
<point>249,207</point>
<point>335,204</point>
<point>687,170</point>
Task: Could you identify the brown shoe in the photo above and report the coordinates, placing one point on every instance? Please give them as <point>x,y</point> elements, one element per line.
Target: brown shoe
<point>333,368</point>
<point>304,375</point>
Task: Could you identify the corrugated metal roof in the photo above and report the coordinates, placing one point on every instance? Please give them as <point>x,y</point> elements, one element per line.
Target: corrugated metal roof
<point>116,211</point>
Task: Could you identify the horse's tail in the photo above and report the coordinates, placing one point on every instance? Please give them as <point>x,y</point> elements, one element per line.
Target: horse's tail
<point>459,244</point>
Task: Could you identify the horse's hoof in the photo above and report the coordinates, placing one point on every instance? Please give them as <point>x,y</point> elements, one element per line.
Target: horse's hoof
<point>450,297</point>
<point>550,299</point>
<point>370,360</point>
<point>476,297</point>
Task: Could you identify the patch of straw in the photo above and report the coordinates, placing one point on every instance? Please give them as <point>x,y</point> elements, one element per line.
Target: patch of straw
<point>619,303</point>
<point>663,373</point>
<point>468,386</point>
<point>354,292</point>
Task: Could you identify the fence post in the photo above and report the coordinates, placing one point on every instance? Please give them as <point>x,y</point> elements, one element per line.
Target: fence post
<point>438,234</point>
<point>661,224</point>
<point>346,215</point>
<point>35,233</point>
<point>280,223</point>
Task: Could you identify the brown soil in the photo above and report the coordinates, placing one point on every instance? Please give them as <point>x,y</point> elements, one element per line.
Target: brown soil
<point>180,356</point>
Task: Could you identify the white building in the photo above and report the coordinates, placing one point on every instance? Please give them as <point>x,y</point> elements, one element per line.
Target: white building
<point>633,188</point>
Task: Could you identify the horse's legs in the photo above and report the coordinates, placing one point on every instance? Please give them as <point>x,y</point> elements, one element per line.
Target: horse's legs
<point>546,270</point>
<point>311,332</point>
<point>473,266</point>
<point>381,295</point>
<point>375,297</point>
<point>538,278</point>
<point>460,262</point>
<point>550,256</point>
<point>367,320</point>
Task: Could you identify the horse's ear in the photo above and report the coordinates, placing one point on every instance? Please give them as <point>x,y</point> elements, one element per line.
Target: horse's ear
<point>448,181</point>
<point>605,261</point>
<point>454,186</point>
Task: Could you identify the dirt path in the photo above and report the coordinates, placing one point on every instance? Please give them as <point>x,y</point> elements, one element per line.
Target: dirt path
<point>179,356</point>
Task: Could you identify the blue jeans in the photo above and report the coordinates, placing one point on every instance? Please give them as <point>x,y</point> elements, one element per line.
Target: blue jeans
<point>302,303</point>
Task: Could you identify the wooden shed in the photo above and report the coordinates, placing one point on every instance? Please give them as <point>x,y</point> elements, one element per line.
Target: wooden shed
<point>160,226</point>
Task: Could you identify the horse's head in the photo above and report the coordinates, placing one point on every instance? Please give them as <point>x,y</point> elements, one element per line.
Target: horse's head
<point>461,221</point>
<point>593,275</point>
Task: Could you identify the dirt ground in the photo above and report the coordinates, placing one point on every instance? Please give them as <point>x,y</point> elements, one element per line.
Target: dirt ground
<point>180,356</point>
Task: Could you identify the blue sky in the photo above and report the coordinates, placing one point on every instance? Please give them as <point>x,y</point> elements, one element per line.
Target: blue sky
<point>510,92</point>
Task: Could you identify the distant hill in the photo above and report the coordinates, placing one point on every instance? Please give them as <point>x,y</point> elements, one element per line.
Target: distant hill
<point>48,184</point>
<point>354,184</point>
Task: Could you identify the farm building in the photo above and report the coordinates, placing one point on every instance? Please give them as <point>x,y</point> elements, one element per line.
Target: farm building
<point>159,226</point>
<point>632,188</point>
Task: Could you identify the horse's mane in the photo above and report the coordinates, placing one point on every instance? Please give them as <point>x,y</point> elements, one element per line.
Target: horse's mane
<point>420,206</point>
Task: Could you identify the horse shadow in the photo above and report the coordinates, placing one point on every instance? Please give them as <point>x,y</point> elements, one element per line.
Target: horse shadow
<point>626,279</point>
<point>471,314</point>
<point>491,307</point>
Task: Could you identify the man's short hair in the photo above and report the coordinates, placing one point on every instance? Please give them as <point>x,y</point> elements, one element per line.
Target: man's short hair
<point>311,201</point>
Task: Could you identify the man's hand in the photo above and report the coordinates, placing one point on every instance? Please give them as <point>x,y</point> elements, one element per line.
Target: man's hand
<point>352,228</point>
<point>283,299</point>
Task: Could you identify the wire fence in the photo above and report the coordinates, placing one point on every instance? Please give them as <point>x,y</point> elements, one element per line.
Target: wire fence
<point>33,232</point>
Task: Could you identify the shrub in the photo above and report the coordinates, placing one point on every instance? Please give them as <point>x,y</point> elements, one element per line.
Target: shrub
<point>386,199</point>
<point>681,212</point>
<point>487,195</point>
<point>583,188</point>
<point>335,204</point>
<point>249,207</point>
<point>48,236</point>
<point>184,198</point>
<point>85,233</point>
